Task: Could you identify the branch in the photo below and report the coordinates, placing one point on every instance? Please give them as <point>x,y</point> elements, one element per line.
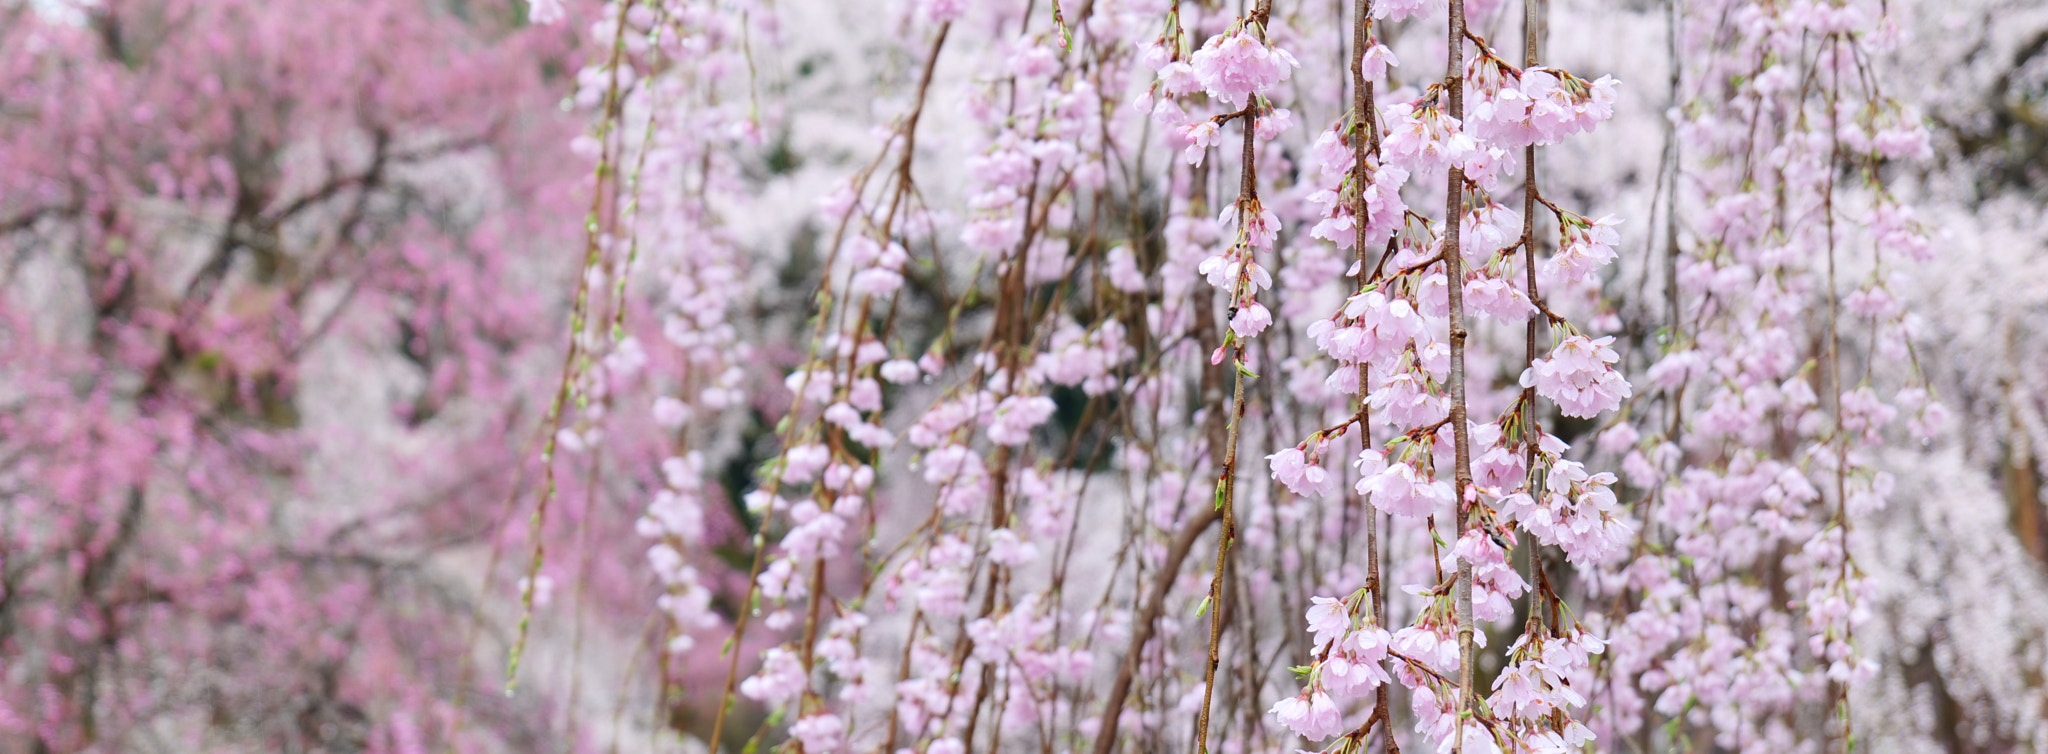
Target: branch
<point>1141,631</point>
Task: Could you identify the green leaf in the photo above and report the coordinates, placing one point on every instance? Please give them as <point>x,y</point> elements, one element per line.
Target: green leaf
<point>1059,20</point>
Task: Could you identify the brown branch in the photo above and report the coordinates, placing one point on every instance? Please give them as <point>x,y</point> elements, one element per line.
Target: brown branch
<point>1454,209</point>
<point>1364,111</point>
<point>1141,630</point>
<point>1247,202</point>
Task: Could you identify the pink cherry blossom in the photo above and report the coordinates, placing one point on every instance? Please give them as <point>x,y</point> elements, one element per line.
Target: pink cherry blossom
<point>1235,65</point>
<point>1586,248</point>
<point>1399,490</point>
<point>294,341</point>
<point>1312,715</point>
<point>545,11</point>
<point>1579,375</point>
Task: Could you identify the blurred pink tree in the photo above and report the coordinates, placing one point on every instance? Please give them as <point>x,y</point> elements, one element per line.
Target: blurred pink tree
<point>275,277</point>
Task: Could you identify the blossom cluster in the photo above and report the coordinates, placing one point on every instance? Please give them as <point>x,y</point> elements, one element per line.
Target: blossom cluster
<point>1108,306</point>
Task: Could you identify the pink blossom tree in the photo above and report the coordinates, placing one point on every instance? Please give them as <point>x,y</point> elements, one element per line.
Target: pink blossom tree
<point>943,376</point>
<point>1614,473</point>
<point>270,316</point>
